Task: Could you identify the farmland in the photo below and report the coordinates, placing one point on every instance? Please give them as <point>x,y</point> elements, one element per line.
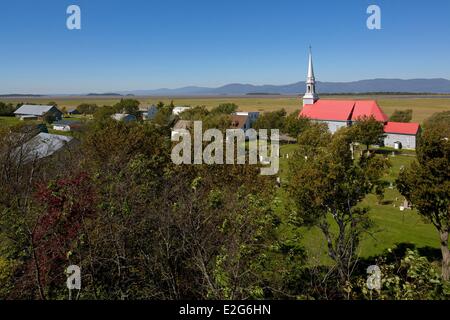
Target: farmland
<point>422,106</point>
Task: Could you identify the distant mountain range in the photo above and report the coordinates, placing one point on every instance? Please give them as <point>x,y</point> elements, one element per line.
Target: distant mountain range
<point>413,86</point>
<point>362,86</point>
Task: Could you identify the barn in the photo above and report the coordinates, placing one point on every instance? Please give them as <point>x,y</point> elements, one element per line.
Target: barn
<point>37,112</point>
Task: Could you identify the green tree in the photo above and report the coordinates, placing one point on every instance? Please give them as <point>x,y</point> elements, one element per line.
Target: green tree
<point>104,113</point>
<point>87,108</point>
<point>294,125</point>
<point>401,116</point>
<point>6,110</point>
<point>129,106</point>
<point>197,113</point>
<point>405,275</point>
<point>326,186</point>
<point>426,184</point>
<point>368,131</point>
<point>271,120</point>
<point>225,108</point>
<point>438,118</point>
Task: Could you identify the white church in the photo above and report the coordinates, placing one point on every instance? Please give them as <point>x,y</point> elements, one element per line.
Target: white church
<point>342,113</point>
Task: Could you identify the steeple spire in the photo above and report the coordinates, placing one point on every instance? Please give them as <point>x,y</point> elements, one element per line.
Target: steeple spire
<point>310,66</point>
<point>310,96</point>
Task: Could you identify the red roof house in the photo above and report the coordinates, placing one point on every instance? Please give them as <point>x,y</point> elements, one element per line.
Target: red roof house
<point>402,128</point>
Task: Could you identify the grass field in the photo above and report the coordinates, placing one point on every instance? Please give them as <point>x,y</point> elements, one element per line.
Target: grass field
<point>391,226</point>
<point>9,121</point>
<point>422,106</point>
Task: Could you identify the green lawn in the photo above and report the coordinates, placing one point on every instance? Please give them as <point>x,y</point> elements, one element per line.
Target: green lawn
<point>12,121</point>
<point>391,226</point>
<point>8,121</point>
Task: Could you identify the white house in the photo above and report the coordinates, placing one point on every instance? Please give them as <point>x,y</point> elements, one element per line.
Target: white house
<point>66,125</point>
<point>177,110</point>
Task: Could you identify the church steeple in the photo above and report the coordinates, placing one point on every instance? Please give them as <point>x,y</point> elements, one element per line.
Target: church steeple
<point>310,96</point>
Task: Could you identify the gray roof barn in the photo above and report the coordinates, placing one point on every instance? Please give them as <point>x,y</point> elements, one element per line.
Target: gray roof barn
<point>42,146</point>
<point>34,110</point>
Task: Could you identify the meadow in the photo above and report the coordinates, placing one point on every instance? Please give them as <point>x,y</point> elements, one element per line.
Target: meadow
<point>422,106</point>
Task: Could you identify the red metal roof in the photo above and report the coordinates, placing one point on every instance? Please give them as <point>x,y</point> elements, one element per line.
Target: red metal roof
<point>343,110</point>
<point>401,128</point>
<point>339,110</point>
<point>368,108</point>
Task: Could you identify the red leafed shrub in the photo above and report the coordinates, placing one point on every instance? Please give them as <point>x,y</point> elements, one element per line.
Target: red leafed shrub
<point>65,203</point>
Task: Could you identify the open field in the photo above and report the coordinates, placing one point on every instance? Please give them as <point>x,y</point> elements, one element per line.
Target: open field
<point>391,226</point>
<point>422,106</point>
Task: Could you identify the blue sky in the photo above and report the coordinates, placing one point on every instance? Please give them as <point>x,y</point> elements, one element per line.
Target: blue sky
<point>148,44</point>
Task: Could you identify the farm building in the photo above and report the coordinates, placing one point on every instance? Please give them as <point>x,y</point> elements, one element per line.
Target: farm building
<point>42,145</point>
<point>401,135</point>
<point>73,111</point>
<point>252,116</point>
<point>240,122</point>
<point>34,112</point>
<point>66,125</point>
<point>124,117</point>
<point>177,110</point>
<point>343,113</point>
<point>150,113</point>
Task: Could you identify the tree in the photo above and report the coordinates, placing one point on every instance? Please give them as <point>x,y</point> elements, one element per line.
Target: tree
<point>129,106</point>
<point>368,131</point>
<point>314,138</point>
<point>164,117</point>
<point>197,113</point>
<point>294,125</point>
<point>104,113</point>
<point>225,108</point>
<point>401,116</point>
<point>87,108</point>
<point>438,118</point>
<point>271,120</point>
<point>405,275</point>
<point>426,184</point>
<point>6,110</point>
<point>327,185</point>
